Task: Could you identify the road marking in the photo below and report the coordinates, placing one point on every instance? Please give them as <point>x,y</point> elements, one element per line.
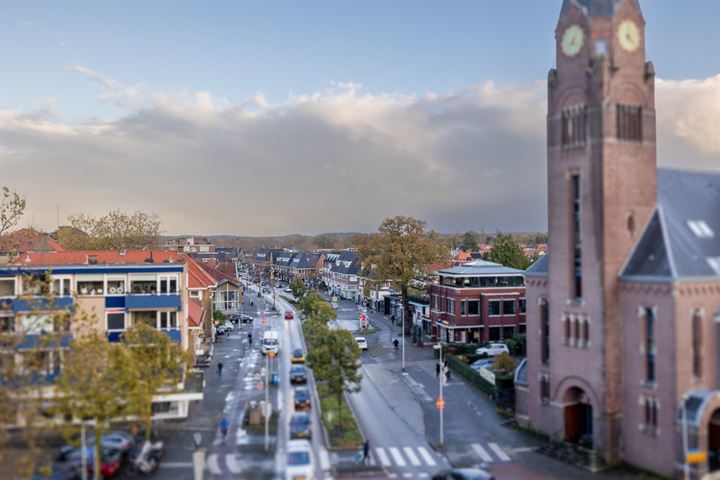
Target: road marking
<point>399,460</point>
<point>212,465</point>
<point>499,452</point>
<point>176,464</point>
<point>523,449</point>
<point>233,464</point>
<point>427,457</point>
<point>384,460</point>
<point>484,455</point>
<point>325,463</point>
<point>423,475</point>
<point>411,455</point>
<point>407,475</point>
<point>392,475</point>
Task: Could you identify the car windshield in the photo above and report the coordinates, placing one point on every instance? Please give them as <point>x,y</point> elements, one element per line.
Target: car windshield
<point>301,394</point>
<point>297,370</point>
<point>297,353</point>
<point>300,420</point>
<point>299,458</point>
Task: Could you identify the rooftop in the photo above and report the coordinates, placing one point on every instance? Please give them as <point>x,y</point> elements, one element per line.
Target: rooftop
<point>480,268</point>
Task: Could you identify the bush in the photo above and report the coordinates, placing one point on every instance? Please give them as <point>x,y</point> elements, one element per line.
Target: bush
<point>503,363</point>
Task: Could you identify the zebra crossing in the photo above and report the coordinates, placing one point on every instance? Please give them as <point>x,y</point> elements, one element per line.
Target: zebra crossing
<point>400,462</point>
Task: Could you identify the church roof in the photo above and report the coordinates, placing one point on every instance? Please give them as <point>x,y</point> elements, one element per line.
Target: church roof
<point>682,238</point>
<point>539,267</point>
<point>593,8</point>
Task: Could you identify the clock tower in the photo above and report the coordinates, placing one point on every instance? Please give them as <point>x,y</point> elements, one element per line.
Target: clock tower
<point>601,191</point>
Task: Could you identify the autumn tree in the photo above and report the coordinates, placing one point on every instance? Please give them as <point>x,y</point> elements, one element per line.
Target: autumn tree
<point>95,383</point>
<point>325,240</point>
<point>507,252</point>
<point>299,289</point>
<point>113,231</point>
<point>12,208</point>
<point>469,242</point>
<point>158,362</point>
<point>315,308</point>
<point>400,253</point>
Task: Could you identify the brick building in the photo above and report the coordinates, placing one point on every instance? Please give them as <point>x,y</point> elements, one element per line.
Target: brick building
<point>624,310</point>
<point>479,301</point>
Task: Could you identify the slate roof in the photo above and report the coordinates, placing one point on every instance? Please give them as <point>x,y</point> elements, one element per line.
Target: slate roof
<point>539,267</point>
<point>480,268</point>
<point>346,264</point>
<point>284,259</point>
<point>682,238</point>
<point>305,260</point>
<point>593,8</point>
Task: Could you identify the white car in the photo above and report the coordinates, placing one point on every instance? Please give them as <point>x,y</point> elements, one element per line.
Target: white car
<point>300,464</point>
<point>361,343</point>
<point>493,349</point>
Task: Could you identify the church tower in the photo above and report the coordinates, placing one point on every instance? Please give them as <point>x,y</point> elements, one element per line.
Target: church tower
<point>601,191</point>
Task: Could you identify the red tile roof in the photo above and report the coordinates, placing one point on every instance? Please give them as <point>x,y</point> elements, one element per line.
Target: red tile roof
<point>218,275</point>
<point>195,313</point>
<point>28,240</point>
<point>81,257</point>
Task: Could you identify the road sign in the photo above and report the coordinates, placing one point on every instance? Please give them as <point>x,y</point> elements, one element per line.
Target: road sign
<point>696,456</point>
<point>440,404</point>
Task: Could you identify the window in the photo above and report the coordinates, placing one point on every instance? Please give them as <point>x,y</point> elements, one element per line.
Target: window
<point>7,287</point>
<point>61,286</point>
<point>145,318</point>
<point>451,305</point>
<point>576,266</point>
<point>168,284</point>
<point>700,229</point>
<point>436,303</point>
<point>586,333</point>
<point>116,286</point>
<point>7,322</point>
<point>90,286</point>
<point>697,344</point>
<point>35,285</point>
<point>463,307</point>
<point>523,305</point>
<point>651,415</point>
<point>168,320</point>
<point>574,126</point>
<point>494,307</point>
<point>629,122</point>
<point>115,321</point>
<point>508,307</point>
<point>577,330</point>
<point>544,388</point>
<point>545,331</point>
<point>473,307</point>
<point>143,286</point>
<point>649,345</point>
<point>568,330</point>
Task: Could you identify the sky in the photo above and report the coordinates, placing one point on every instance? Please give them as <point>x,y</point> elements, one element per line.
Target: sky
<point>267,118</point>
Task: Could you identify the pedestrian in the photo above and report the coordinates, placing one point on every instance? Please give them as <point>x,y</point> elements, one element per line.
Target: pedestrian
<point>437,369</point>
<point>224,425</point>
<point>219,369</point>
<point>250,338</point>
<point>366,451</point>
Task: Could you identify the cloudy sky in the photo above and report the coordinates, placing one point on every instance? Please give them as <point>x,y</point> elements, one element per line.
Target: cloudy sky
<point>280,117</point>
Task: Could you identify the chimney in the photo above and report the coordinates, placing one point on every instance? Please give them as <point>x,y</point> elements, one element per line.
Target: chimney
<point>150,258</point>
<point>92,260</point>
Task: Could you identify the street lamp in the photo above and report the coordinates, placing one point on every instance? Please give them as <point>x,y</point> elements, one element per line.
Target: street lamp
<point>441,400</point>
<point>402,319</point>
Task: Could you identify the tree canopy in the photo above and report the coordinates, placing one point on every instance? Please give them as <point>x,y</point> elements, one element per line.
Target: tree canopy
<point>12,207</point>
<point>469,241</point>
<point>506,251</point>
<point>113,231</point>
<point>299,289</point>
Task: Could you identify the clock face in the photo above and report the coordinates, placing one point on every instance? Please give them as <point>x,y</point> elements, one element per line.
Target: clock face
<point>629,36</point>
<point>572,40</point>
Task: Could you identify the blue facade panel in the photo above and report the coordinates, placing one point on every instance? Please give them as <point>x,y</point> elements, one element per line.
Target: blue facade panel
<point>152,302</point>
<point>115,302</point>
<point>42,303</point>
<point>114,336</point>
<point>174,334</point>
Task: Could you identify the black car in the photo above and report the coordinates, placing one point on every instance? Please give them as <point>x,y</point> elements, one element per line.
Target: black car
<point>300,426</point>
<point>302,398</point>
<point>464,474</point>
<point>246,319</point>
<point>298,374</point>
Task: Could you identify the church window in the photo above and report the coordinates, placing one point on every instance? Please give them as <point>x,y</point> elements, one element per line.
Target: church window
<point>629,122</point>
<point>576,267</point>
<point>545,323</point>
<point>574,126</point>
<point>697,344</point>
<point>649,345</point>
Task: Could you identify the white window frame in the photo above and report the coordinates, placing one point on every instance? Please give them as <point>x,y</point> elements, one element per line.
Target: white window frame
<point>167,278</point>
<point>62,279</point>
<point>166,313</point>
<point>15,286</point>
<point>125,322</point>
<point>116,278</point>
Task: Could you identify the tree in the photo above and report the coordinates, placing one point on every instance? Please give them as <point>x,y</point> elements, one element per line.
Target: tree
<point>506,251</point>
<point>325,241</point>
<point>469,242</point>
<point>114,231</point>
<point>316,309</point>
<point>218,317</point>
<point>158,362</point>
<point>299,289</point>
<point>96,378</point>
<point>334,359</point>
<point>400,254</point>
<point>503,363</point>
<point>12,208</point>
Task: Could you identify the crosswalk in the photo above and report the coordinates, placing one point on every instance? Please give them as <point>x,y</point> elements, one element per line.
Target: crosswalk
<point>399,461</point>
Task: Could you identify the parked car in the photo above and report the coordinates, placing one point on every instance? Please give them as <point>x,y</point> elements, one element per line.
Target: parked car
<point>464,474</point>
<point>298,374</point>
<point>361,343</point>
<point>117,440</point>
<point>299,464</point>
<point>300,426</point>
<point>483,362</point>
<point>302,398</point>
<point>288,290</point>
<point>246,319</point>
<point>111,460</point>
<point>492,349</point>
<point>297,356</point>
<point>289,315</point>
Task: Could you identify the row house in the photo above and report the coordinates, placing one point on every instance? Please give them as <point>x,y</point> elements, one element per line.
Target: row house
<point>342,276</point>
<point>306,266</point>
<point>189,245</point>
<point>110,290</point>
<point>477,302</point>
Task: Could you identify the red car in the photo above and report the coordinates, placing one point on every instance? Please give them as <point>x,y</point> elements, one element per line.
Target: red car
<point>289,315</point>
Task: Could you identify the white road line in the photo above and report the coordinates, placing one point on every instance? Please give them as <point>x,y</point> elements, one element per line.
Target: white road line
<point>427,457</point>
<point>399,460</point>
<point>384,460</point>
<point>407,475</point>
<point>485,456</point>
<point>499,452</point>
<point>212,464</point>
<point>392,475</point>
<point>233,464</point>
<point>325,463</point>
<point>411,455</point>
<point>523,449</point>
<point>176,464</point>
<point>423,475</point>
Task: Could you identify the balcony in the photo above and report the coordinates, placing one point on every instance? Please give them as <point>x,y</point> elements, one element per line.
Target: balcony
<point>40,303</point>
<point>150,302</point>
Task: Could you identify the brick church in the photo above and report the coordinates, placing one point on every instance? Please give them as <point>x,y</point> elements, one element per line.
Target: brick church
<point>623,313</point>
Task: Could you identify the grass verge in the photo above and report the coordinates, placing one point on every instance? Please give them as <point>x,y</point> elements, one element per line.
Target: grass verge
<point>343,431</point>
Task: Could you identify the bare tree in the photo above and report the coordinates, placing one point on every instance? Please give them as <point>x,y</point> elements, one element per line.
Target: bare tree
<point>12,208</point>
<point>113,231</point>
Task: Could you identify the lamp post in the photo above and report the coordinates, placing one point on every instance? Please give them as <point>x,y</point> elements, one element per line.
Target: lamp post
<point>268,408</point>
<point>402,319</point>
<point>441,399</point>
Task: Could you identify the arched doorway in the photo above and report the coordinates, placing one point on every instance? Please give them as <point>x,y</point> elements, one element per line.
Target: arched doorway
<point>713,440</point>
<point>578,417</point>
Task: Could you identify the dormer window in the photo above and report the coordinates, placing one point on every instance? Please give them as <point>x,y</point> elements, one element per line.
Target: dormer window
<point>700,228</point>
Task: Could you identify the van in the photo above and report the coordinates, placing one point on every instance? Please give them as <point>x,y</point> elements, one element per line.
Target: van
<point>270,342</point>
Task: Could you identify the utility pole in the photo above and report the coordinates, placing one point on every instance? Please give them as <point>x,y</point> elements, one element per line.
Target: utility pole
<point>441,399</point>
<point>402,319</point>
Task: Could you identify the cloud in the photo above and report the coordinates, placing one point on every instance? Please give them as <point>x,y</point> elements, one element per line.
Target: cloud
<point>337,159</point>
<point>114,92</point>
